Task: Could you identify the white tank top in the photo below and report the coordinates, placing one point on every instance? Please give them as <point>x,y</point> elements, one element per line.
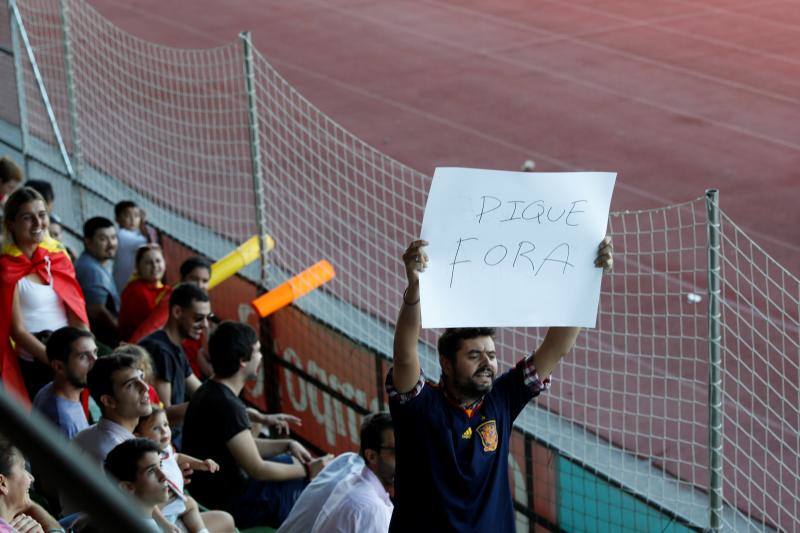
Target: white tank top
<point>41,307</point>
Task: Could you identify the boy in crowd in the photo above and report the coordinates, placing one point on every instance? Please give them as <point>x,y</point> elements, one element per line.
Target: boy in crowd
<point>136,465</point>
<point>132,235</point>
<point>118,387</point>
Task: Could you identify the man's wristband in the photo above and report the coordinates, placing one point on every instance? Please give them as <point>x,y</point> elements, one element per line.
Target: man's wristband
<point>405,300</point>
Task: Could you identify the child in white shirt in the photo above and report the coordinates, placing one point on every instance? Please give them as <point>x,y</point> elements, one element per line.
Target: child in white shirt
<point>132,235</point>
<point>181,510</point>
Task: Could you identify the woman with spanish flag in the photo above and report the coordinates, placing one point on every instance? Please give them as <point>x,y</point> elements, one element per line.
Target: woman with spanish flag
<point>38,291</point>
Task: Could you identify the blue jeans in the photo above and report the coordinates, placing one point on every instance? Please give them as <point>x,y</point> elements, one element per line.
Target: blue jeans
<point>267,503</point>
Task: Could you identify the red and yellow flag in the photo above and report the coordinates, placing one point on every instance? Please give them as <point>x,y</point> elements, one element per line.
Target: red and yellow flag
<point>52,264</point>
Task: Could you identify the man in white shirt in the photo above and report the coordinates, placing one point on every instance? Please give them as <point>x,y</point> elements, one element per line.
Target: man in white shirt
<point>352,494</point>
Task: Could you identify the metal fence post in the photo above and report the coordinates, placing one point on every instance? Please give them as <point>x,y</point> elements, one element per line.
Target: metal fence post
<point>20,81</point>
<point>15,14</point>
<point>715,363</point>
<point>255,153</point>
<point>77,152</point>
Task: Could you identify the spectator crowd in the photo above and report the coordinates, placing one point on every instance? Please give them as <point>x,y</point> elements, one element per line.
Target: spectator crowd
<point>142,378</point>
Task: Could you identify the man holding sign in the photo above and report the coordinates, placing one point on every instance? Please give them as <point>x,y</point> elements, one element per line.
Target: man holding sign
<point>452,439</point>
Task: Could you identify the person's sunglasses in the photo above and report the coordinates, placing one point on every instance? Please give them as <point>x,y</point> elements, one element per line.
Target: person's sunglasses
<point>200,317</point>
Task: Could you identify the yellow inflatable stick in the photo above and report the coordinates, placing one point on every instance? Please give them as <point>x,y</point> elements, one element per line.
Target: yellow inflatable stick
<point>242,256</point>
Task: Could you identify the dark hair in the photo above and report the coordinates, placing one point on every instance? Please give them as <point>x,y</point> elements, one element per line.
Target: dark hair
<point>122,206</point>
<point>42,187</point>
<point>17,199</point>
<point>229,344</point>
<point>450,341</point>
<point>123,461</point>
<point>192,263</point>
<point>43,336</point>
<point>93,224</point>
<point>9,171</point>
<point>372,428</point>
<point>59,345</point>
<point>7,453</point>
<point>140,251</point>
<point>185,294</point>
<point>100,376</point>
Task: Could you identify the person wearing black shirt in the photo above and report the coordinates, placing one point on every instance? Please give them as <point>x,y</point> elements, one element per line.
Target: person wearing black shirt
<point>258,482</point>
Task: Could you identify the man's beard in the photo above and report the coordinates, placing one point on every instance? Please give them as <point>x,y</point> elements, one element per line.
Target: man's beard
<point>468,388</point>
<point>385,473</point>
<point>76,381</point>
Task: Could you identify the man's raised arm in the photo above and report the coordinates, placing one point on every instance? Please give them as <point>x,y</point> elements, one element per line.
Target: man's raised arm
<point>560,340</point>
<point>406,369</point>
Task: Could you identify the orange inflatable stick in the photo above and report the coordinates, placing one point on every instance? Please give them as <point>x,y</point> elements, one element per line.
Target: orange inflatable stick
<point>293,288</point>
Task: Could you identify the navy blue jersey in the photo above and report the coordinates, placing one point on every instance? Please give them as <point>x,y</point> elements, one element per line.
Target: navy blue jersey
<point>452,463</point>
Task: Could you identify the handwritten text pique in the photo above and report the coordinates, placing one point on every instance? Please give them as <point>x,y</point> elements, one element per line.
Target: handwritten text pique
<point>513,248</point>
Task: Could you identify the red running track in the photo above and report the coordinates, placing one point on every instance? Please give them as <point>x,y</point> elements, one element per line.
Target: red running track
<point>677,96</point>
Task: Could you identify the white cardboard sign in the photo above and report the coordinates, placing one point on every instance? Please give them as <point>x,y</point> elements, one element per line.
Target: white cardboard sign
<point>513,248</point>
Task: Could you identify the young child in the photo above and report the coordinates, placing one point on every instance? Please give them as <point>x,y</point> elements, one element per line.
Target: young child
<point>132,235</point>
<point>142,294</point>
<point>180,506</point>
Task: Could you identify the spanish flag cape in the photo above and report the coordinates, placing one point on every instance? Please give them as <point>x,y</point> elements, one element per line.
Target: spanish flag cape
<point>155,321</point>
<point>51,262</point>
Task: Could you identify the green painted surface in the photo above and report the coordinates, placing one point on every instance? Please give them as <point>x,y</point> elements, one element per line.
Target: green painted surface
<point>588,503</point>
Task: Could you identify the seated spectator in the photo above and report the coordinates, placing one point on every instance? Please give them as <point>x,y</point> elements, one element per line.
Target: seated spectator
<point>46,190</point>
<point>10,178</point>
<point>256,491</point>
<point>189,310</point>
<point>17,512</point>
<point>93,269</point>
<point>352,493</point>
<point>180,506</point>
<point>133,234</point>
<point>136,465</point>
<point>38,290</point>
<point>144,292</point>
<point>197,271</point>
<point>144,363</point>
<point>119,389</point>
<point>72,353</point>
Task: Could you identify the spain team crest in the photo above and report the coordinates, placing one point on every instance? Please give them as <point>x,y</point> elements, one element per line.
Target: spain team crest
<point>488,433</point>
